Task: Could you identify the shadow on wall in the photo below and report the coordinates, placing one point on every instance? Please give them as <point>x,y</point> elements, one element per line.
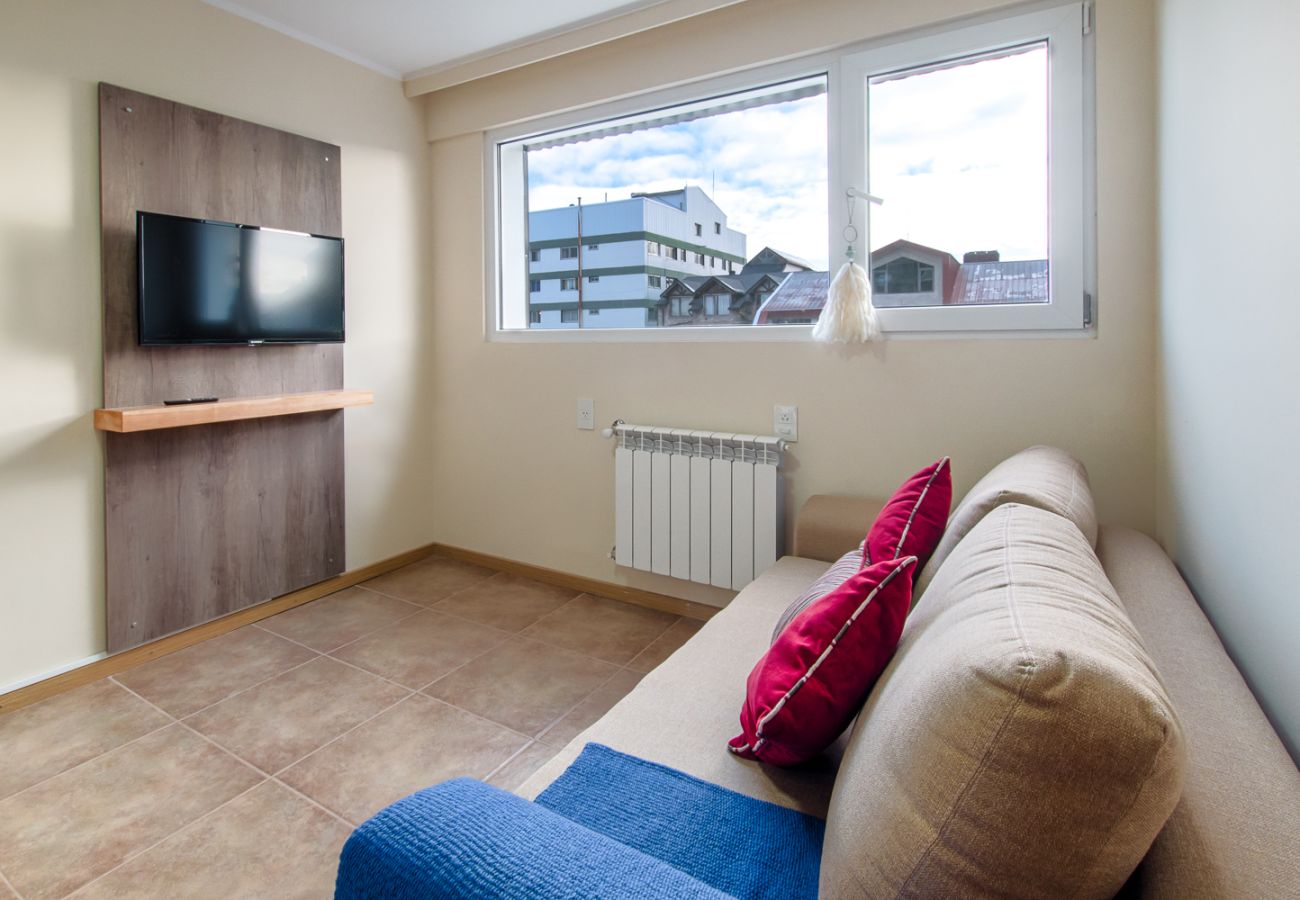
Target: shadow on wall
<point>51,460</point>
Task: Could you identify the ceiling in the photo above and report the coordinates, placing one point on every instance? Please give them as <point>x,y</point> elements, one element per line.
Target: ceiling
<point>409,38</point>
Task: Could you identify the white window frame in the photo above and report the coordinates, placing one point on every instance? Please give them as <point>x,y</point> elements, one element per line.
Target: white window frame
<point>1068,252</point>
<point>1072,191</point>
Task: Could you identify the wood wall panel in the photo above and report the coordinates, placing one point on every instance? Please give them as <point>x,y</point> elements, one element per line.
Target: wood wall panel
<point>203,521</point>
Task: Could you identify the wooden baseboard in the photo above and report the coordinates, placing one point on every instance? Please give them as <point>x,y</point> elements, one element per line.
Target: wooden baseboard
<point>120,662</point>
<point>662,602</point>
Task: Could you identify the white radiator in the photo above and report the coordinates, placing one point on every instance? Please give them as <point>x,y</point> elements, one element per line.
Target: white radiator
<point>697,505</point>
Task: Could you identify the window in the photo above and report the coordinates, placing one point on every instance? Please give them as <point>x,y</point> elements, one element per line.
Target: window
<point>654,281</point>
<point>902,276</point>
<point>568,284</point>
<point>592,279</point>
<point>535,317</point>
<point>568,316</point>
<point>534,255</point>
<point>717,304</point>
<point>977,137</point>
<point>534,285</point>
<point>681,306</point>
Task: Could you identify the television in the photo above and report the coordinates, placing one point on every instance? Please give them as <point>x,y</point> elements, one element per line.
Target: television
<point>208,282</point>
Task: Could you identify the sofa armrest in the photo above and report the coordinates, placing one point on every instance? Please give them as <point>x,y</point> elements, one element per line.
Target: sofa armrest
<point>829,526</point>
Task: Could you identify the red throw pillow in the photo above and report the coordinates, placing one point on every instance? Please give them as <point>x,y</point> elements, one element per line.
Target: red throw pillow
<point>811,683</point>
<point>913,520</point>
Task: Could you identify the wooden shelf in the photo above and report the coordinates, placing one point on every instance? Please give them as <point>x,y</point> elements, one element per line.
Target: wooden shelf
<point>150,418</point>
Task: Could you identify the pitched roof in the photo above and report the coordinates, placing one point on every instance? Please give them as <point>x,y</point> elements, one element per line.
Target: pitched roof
<point>1021,281</point>
<point>800,292</point>
<point>782,260</point>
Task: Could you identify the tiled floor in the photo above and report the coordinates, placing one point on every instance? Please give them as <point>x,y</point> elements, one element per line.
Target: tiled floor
<point>238,767</point>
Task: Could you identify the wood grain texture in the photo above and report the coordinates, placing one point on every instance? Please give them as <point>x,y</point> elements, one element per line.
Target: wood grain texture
<point>125,420</point>
<point>120,662</point>
<point>201,522</point>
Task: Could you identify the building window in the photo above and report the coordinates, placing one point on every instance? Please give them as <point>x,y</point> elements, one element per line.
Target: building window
<point>681,306</point>
<point>975,135</point>
<point>568,284</point>
<point>568,316</point>
<point>902,276</point>
<point>568,253</point>
<point>534,255</point>
<point>534,285</point>
<point>716,304</point>
<point>654,281</point>
<point>535,317</point>
<point>592,279</point>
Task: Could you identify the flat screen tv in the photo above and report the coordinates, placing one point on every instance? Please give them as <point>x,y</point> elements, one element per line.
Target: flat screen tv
<point>206,282</point>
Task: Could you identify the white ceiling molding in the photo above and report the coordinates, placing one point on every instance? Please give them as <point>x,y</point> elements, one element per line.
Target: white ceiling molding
<point>556,43</point>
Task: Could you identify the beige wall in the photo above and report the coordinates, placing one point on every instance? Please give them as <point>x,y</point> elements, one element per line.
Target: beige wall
<point>517,479</point>
<point>52,54</point>
<point>1230,317</point>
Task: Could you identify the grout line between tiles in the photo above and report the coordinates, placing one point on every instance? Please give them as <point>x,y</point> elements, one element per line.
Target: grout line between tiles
<point>9,884</point>
<point>237,693</point>
<point>169,835</point>
<point>518,753</point>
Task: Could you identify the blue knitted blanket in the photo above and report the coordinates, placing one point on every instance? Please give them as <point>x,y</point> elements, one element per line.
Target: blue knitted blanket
<point>611,826</point>
<point>744,847</point>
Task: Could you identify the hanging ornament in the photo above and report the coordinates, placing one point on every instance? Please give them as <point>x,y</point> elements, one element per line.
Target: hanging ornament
<point>848,317</point>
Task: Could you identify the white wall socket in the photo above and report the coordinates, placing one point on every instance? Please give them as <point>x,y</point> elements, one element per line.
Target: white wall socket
<point>586,414</point>
<point>785,422</point>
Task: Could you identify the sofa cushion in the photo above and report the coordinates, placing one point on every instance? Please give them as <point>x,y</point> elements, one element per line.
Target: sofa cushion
<point>808,686</point>
<point>683,712</point>
<point>913,520</point>
<point>840,571</point>
<point>1020,744</point>
<point>1044,477</point>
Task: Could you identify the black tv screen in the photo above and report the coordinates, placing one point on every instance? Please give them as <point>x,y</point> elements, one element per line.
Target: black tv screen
<point>206,282</point>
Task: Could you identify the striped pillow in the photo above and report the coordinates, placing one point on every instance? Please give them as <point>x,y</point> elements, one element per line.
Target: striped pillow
<point>840,571</point>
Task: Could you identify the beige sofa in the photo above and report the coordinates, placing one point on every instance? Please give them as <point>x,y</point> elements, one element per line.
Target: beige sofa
<point>1137,725</point>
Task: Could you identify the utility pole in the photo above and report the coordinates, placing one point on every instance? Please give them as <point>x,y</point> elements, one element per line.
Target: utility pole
<point>579,262</point>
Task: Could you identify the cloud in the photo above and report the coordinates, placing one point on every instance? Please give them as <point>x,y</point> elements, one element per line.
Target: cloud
<point>958,154</point>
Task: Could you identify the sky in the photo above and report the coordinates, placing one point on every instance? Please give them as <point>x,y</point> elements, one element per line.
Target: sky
<point>959,156</point>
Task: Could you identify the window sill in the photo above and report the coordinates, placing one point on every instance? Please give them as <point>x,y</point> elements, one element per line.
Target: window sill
<point>765,334</point>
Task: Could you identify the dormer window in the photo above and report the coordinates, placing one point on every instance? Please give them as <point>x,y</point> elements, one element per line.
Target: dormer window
<point>903,276</point>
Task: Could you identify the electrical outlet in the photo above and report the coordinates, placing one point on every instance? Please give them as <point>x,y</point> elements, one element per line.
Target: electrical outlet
<point>586,414</point>
<point>785,422</point>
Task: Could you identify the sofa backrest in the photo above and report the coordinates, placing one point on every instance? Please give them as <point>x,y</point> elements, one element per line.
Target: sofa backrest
<point>1045,477</point>
<point>1236,829</point>
<point>1020,744</point>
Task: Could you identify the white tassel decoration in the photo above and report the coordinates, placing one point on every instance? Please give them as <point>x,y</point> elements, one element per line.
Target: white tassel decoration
<point>848,316</point>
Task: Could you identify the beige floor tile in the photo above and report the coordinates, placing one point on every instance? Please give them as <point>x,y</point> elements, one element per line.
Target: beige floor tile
<point>282,720</point>
<point>429,580</point>
<point>56,734</point>
<point>585,714</point>
<point>198,676</point>
<point>269,843</point>
<point>6,893</point>
<point>523,684</point>
<point>665,645</point>
<point>518,770</point>
<point>416,744</point>
<point>58,835</point>
<point>330,622</point>
<point>417,650</point>
<point>507,601</point>
<point>603,628</point>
